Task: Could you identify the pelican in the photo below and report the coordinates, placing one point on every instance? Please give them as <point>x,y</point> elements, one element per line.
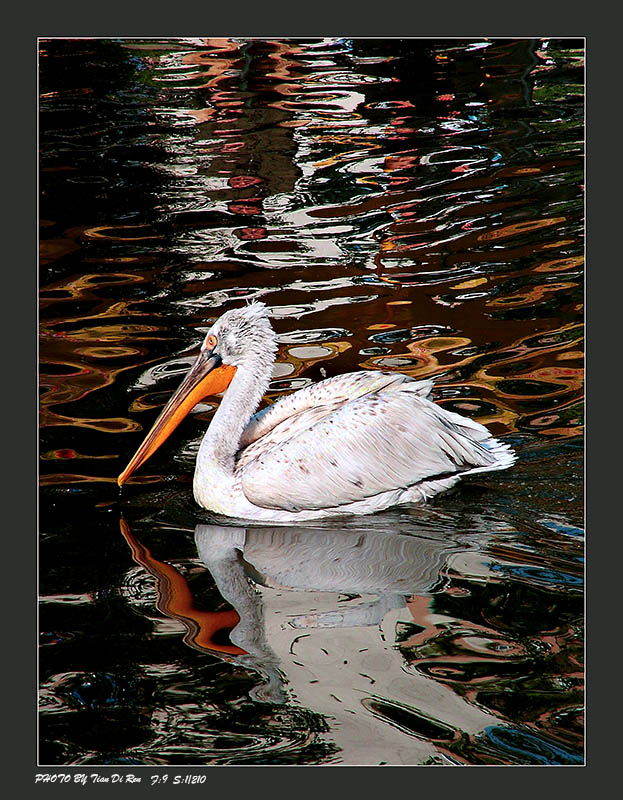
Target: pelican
<point>351,444</point>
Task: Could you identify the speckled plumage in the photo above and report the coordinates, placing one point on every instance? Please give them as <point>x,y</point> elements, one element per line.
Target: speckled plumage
<point>351,444</point>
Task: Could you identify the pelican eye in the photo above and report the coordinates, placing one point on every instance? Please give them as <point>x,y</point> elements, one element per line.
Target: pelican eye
<point>211,341</point>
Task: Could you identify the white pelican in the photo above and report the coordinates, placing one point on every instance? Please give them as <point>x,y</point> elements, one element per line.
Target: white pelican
<point>351,444</point>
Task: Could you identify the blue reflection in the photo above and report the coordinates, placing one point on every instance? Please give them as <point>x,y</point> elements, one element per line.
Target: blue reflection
<point>530,746</point>
<point>539,575</point>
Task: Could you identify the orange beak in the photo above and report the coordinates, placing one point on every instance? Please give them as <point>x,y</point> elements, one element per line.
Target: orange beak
<point>207,376</point>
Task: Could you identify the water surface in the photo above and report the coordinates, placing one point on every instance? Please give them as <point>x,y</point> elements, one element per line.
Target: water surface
<point>410,205</point>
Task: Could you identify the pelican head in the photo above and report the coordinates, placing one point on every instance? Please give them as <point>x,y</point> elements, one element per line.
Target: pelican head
<point>242,336</point>
<point>242,339</point>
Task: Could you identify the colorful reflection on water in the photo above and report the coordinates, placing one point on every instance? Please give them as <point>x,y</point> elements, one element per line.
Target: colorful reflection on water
<point>410,205</point>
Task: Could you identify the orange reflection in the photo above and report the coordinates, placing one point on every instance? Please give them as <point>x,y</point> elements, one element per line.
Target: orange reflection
<point>422,358</point>
<point>558,264</point>
<point>176,601</point>
<point>85,286</point>
<point>529,295</point>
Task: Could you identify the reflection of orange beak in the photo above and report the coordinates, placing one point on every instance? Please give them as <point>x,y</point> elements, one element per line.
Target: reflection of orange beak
<point>207,376</point>
<point>176,601</point>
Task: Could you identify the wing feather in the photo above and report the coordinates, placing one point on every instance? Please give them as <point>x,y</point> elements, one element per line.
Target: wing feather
<point>330,393</point>
<point>373,443</point>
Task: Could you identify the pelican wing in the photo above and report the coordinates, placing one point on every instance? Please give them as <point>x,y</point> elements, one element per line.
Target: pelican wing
<point>329,395</point>
<point>375,443</point>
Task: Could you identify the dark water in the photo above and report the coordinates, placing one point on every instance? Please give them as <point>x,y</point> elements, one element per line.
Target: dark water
<point>412,205</point>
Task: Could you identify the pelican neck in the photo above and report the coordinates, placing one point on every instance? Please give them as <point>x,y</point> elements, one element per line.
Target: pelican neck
<point>240,401</point>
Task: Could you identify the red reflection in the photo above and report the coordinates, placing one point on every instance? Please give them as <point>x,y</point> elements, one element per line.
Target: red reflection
<point>65,453</point>
<point>248,207</point>
<point>249,234</point>
<point>242,181</point>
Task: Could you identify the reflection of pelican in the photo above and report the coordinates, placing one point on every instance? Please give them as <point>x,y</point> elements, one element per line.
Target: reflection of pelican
<point>316,612</point>
<point>341,561</point>
<point>352,444</point>
<point>303,568</point>
<point>334,654</point>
